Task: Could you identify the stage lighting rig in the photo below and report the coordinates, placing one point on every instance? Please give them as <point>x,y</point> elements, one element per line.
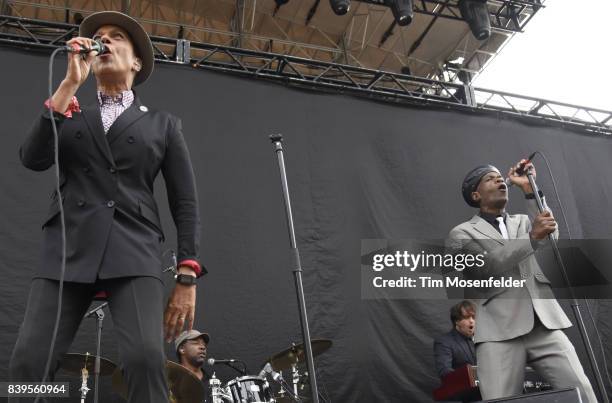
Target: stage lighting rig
<point>476,14</point>
<point>402,11</point>
<point>340,7</point>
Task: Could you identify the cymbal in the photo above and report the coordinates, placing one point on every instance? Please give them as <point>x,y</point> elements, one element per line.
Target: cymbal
<point>296,354</point>
<point>73,363</point>
<point>183,385</point>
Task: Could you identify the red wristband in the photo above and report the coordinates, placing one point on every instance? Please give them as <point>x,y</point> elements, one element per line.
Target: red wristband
<point>73,106</point>
<point>193,265</point>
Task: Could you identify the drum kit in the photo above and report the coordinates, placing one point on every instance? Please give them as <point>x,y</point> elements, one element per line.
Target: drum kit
<point>185,387</point>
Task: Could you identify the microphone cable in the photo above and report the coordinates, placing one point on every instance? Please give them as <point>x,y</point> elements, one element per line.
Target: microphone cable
<point>62,219</point>
<point>586,302</point>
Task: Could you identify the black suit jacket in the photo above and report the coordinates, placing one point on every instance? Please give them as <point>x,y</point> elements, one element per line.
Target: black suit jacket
<point>451,351</point>
<point>112,221</point>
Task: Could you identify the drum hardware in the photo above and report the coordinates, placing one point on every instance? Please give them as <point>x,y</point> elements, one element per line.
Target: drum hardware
<point>82,365</point>
<point>289,359</point>
<point>84,389</point>
<point>218,393</point>
<point>250,389</point>
<point>278,378</point>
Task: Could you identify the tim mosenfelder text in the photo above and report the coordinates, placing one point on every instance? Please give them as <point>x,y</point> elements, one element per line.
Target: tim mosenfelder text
<point>404,260</point>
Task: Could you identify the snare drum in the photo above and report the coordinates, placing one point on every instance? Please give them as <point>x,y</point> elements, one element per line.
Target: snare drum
<point>250,389</point>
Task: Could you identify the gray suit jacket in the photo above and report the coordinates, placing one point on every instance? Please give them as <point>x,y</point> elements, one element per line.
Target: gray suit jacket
<point>505,313</point>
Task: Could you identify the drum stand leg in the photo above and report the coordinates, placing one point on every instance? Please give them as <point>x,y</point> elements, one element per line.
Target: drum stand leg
<point>84,389</point>
<point>295,379</point>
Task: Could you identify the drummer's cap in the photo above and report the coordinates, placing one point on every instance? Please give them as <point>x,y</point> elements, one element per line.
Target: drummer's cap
<point>190,335</point>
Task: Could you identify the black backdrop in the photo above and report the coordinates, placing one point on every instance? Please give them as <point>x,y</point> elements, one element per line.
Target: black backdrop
<point>357,169</point>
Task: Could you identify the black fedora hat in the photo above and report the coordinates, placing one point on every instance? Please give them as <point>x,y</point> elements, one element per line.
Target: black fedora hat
<point>140,38</point>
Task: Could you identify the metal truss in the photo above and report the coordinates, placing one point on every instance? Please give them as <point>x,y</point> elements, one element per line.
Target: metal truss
<point>506,15</point>
<point>507,18</point>
<point>331,77</point>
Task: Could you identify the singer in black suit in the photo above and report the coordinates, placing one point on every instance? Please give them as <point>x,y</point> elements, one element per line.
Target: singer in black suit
<point>109,156</point>
<point>456,348</point>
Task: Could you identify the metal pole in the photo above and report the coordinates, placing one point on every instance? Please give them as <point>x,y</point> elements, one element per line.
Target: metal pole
<point>575,305</point>
<point>99,320</point>
<point>276,140</point>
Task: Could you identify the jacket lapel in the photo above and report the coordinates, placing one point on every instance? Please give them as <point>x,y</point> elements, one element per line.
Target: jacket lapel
<point>125,120</point>
<point>93,119</point>
<point>482,226</point>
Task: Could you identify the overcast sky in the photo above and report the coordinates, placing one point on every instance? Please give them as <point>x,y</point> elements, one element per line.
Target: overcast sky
<point>565,54</point>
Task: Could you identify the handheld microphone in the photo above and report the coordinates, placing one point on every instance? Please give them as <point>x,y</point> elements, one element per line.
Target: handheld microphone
<point>520,171</point>
<point>212,361</point>
<point>98,46</point>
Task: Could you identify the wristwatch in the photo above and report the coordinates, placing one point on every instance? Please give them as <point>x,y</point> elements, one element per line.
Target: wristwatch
<point>186,279</point>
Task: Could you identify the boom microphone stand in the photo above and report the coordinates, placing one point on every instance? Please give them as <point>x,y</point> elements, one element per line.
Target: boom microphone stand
<point>276,140</point>
<point>575,305</point>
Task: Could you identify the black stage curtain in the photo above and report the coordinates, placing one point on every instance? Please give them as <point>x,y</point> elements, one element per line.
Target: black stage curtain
<point>357,169</point>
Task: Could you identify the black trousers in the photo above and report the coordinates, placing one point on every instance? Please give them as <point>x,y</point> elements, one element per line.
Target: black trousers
<point>136,306</point>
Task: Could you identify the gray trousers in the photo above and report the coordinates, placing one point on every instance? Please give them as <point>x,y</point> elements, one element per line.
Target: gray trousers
<point>136,306</point>
<point>501,364</point>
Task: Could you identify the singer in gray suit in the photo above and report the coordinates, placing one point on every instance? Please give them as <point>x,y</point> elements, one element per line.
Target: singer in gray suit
<point>516,325</point>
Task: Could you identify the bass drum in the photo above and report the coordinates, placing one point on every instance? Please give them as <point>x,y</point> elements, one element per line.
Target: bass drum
<point>250,389</point>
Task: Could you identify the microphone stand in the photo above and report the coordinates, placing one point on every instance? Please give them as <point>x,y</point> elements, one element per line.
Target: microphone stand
<point>99,312</point>
<point>276,140</point>
<point>575,305</point>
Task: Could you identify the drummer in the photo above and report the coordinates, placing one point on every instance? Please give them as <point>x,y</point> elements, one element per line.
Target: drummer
<point>191,348</point>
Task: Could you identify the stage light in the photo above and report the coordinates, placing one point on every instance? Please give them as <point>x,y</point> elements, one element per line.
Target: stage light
<point>476,14</point>
<point>402,11</point>
<point>340,7</point>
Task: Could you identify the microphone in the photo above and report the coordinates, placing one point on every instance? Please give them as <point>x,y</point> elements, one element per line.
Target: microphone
<point>520,171</point>
<point>98,46</point>
<point>212,361</point>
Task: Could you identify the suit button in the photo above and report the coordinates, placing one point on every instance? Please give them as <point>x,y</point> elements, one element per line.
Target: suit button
<point>78,135</point>
<point>112,170</point>
<point>86,170</point>
<point>110,204</point>
<point>81,203</point>
<point>131,139</point>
